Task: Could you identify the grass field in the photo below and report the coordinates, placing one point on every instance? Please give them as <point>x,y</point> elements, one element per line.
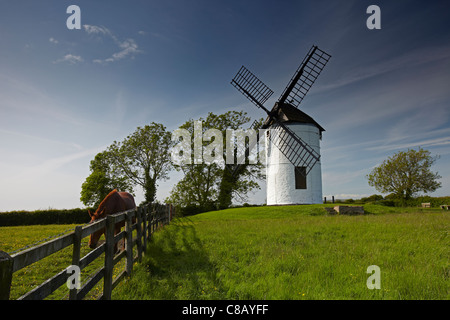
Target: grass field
<point>293,252</point>
<point>296,252</point>
<point>24,280</point>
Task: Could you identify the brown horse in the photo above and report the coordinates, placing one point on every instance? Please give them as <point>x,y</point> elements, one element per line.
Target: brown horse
<point>114,202</point>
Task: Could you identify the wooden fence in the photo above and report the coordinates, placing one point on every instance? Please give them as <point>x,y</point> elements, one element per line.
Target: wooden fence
<point>148,219</point>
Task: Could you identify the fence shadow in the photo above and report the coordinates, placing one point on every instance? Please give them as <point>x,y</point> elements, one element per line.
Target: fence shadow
<point>177,266</point>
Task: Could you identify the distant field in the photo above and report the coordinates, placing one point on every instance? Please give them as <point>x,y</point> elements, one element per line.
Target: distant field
<point>296,252</point>
<point>292,252</point>
<point>24,280</point>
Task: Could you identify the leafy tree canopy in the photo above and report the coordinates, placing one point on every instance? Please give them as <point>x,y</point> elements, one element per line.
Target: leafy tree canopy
<point>102,180</point>
<point>141,159</point>
<point>405,174</point>
<point>209,185</point>
<point>144,157</point>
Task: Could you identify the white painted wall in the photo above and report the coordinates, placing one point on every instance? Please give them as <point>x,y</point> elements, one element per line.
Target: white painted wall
<point>280,176</point>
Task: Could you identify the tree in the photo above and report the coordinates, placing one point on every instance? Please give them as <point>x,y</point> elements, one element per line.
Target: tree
<point>144,157</point>
<point>405,174</point>
<point>198,187</point>
<point>237,180</point>
<point>102,180</point>
<point>211,184</point>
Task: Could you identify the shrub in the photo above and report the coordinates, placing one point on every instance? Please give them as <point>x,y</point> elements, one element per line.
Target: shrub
<point>41,217</point>
<point>387,203</point>
<point>392,201</point>
<point>372,198</point>
<point>194,209</point>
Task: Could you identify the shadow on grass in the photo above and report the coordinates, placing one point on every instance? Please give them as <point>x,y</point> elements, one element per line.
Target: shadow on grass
<point>175,266</point>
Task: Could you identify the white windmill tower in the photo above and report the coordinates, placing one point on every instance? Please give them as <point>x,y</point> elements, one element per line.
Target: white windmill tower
<point>293,146</point>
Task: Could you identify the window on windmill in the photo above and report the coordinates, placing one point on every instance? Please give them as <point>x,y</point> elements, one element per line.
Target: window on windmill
<point>300,177</point>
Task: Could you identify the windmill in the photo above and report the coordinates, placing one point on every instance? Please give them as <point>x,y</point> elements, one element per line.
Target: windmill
<point>292,144</point>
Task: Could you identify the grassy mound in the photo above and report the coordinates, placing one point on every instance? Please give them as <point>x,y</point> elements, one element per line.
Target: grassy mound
<point>295,252</point>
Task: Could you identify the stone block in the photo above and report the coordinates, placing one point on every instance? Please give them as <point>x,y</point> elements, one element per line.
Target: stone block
<point>350,210</point>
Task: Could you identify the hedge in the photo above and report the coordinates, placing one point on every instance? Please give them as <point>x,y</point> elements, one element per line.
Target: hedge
<point>435,202</point>
<point>51,216</point>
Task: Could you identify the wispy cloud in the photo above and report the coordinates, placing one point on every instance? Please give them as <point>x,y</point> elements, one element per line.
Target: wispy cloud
<point>128,47</point>
<point>96,29</point>
<point>20,97</point>
<point>411,59</point>
<point>39,139</point>
<point>48,165</point>
<point>61,184</point>
<point>348,176</point>
<point>427,143</point>
<point>419,121</point>
<point>70,58</point>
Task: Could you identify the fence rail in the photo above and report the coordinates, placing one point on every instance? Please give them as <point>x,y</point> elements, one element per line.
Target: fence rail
<point>147,220</point>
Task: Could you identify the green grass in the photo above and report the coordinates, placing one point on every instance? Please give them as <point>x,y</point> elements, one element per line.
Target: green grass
<point>24,280</point>
<point>292,252</point>
<point>295,252</point>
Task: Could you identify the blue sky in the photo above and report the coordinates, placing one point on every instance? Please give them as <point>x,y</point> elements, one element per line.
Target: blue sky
<point>66,95</point>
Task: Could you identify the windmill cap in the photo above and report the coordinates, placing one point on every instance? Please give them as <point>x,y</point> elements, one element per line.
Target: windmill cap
<point>288,113</point>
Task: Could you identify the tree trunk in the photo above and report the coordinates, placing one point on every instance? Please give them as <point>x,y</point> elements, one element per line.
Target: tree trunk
<point>149,188</point>
<point>227,185</point>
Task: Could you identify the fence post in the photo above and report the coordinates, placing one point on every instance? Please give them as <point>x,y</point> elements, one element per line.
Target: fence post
<point>139,233</point>
<point>6,272</point>
<point>109,256</point>
<point>153,218</point>
<point>150,222</point>
<point>168,214</point>
<point>129,248</point>
<point>155,224</point>
<point>76,257</point>
<point>158,216</point>
<point>144,226</point>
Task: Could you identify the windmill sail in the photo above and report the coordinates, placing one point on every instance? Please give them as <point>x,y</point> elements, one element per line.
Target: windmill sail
<point>304,77</point>
<point>253,88</point>
<point>297,151</point>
